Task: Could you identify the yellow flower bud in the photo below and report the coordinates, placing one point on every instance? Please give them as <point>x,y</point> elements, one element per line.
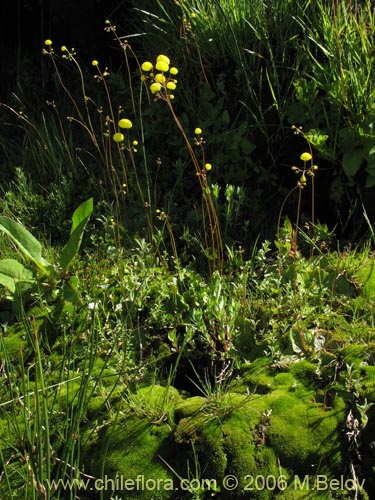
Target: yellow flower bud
<point>159,77</point>
<point>63,48</point>
<point>208,166</point>
<point>118,137</point>
<point>162,66</point>
<point>305,157</point>
<point>125,123</point>
<point>94,62</point>
<point>198,131</point>
<point>155,87</point>
<point>48,42</point>
<point>164,58</point>
<point>171,85</point>
<point>173,71</point>
<point>146,66</point>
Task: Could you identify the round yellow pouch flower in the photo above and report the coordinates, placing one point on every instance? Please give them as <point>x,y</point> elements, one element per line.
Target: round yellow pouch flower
<point>171,85</point>
<point>125,123</point>
<point>198,131</point>
<point>118,137</point>
<point>164,58</point>
<point>162,66</point>
<point>155,87</point>
<point>146,66</point>
<point>208,166</point>
<point>159,77</point>
<point>305,157</point>
<point>173,71</point>
<point>48,42</point>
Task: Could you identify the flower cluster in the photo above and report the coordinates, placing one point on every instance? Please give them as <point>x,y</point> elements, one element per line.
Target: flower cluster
<point>305,170</point>
<point>161,76</point>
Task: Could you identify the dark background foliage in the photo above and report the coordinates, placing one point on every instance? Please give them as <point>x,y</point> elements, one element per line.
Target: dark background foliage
<point>249,141</point>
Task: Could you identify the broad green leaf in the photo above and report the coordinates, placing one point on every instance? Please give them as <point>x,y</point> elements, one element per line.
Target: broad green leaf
<point>80,219</point>
<point>13,272</point>
<point>25,241</point>
<point>82,213</point>
<point>352,161</point>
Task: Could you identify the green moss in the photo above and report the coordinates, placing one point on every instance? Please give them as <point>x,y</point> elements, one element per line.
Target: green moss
<point>14,342</point>
<point>67,393</point>
<point>304,371</point>
<point>356,354</point>
<point>258,376</point>
<point>304,436</point>
<point>155,402</point>
<point>367,374</point>
<point>188,407</point>
<point>284,379</point>
<point>131,450</point>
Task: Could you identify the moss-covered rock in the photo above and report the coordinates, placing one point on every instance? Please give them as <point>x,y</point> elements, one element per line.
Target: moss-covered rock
<point>137,447</point>
<point>283,434</point>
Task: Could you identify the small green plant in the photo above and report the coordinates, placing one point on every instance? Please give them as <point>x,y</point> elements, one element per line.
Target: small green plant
<point>308,169</point>
<point>18,278</point>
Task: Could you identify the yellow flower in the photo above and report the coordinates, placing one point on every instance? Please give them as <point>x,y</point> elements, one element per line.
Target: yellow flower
<point>160,78</point>
<point>155,87</point>
<point>305,157</point>
<point>48,42</point>
<point>146,66</point>
<point>135,143</point>
<point>208,166</point>
<point>64,48</point>
<point>171,96</point>
<point>162,66</point>
<point>198,131</point>
<point>171,85</point>
<point>118,137</point>
<point>164,58</point>
<point>173,71</point>
<point>94,62</point>
<point>125,123</point>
